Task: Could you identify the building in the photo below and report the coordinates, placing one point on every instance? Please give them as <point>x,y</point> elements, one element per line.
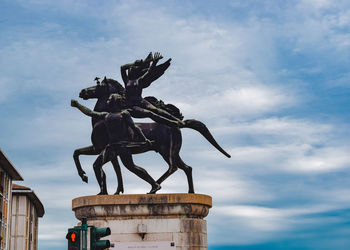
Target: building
<point>20,209</point>
<point>26,209</point>
<point>8,173</point>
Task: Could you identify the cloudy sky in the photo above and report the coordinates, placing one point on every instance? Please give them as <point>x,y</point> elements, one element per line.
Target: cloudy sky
<point>269,78</point>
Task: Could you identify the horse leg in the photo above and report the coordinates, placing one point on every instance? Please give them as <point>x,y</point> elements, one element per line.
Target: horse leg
<point>100,175</point>
<point>188,171</point>
<point>168,156</point>
<point>117,170</point>
<point>83,151</point>
<point>140,172</point>
<point>172,169</point>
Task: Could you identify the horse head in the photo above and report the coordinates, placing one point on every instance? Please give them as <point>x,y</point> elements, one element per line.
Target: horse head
<point>105,89</point>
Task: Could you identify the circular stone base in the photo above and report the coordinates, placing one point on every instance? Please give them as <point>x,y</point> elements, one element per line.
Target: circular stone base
<point>149,221</point>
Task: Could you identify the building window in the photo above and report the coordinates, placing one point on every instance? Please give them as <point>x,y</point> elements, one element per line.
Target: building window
<point>2,182</point>
<point>4,203</point>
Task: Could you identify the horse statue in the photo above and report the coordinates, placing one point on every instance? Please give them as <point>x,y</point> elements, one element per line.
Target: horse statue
<point>118,124</point>
<point>167,140</point>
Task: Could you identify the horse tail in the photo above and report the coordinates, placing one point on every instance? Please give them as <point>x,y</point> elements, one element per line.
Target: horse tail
<point>201,128</point>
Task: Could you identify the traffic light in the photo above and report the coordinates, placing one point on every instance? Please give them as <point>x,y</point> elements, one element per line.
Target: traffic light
<point>78,237</point>
<point>73,237</point>
<point>96,234</point>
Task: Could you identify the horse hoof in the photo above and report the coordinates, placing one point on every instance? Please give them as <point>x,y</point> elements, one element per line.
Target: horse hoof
<point>102,193</point>
<point>155,189</point>
<point>118,192</point>
<point>85,179</point>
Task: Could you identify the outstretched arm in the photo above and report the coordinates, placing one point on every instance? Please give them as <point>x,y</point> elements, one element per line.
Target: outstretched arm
<point>123,70</point>
<point>146,80</point>
<point>125,67</point>
<point>87,111</point>
<point>126,115</point>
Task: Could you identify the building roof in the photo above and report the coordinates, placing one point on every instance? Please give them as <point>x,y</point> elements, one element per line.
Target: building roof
<point>9,168</point>
<point>22,190</point>
<point>19,187</point>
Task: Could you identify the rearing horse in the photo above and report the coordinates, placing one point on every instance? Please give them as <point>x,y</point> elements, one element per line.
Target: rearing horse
<point>167,140</point>
<point>100,92</point>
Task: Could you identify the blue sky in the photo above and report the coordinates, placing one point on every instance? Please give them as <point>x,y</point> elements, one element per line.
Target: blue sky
<point>269,78</point>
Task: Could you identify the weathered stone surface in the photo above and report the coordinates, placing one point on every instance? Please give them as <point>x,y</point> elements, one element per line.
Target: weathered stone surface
<point>165,217</point>
<point>143,205</point>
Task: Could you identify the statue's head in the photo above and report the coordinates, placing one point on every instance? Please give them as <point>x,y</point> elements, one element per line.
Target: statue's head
<point>103,89</point>
<point>116,102</point>
<point>138,69</point>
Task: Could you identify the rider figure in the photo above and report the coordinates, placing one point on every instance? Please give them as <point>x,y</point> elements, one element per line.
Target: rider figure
<point>140,75</point>
<point>117,123</point>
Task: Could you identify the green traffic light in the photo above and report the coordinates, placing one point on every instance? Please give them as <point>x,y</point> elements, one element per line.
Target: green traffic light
<point>102,231</point>
<point>96,234</point>
<point>102,244</point>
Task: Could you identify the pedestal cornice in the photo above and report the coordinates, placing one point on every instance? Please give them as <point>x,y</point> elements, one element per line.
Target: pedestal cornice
<point>142,206</point>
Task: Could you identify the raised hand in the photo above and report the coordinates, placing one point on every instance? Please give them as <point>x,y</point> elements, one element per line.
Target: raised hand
<point>74,103</point>
<point>149,58</point>
<point>157,56</point>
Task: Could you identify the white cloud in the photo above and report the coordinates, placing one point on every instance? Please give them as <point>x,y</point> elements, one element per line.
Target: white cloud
<point>7,89</point>
<point>318,3</point>
<point>284,144</point>
<point>243,102</point>
<point>321,160</point>
<point>227,185</point>
<point>298,129</point>
<point>271,219</point>
<point>257,224</point>
<point>318,25</point>
<point>292,158</point>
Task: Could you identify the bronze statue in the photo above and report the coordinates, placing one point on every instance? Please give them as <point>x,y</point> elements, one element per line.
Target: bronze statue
<point>165,133</point>
<point>116,124</point>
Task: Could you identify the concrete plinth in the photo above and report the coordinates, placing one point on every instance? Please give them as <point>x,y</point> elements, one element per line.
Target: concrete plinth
<point>149,221</point>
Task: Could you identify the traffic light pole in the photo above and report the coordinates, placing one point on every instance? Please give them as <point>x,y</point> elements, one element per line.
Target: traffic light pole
<point>84,228</point>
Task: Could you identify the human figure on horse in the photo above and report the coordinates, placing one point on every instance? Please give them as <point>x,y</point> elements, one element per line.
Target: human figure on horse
<point>116,123</point>
<point>140,75</point>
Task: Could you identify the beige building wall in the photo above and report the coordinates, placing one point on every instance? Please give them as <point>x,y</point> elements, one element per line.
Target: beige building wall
<point>26,208</point>
<point>19,217</point>
<point>24,233</point>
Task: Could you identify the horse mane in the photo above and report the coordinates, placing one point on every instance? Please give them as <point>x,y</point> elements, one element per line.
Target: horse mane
<point>120,89</point>
<point>170,108</point>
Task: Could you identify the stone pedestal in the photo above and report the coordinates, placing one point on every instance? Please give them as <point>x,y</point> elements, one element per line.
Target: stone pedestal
<point>149,221</point>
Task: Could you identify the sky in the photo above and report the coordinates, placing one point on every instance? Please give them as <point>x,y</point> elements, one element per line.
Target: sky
<point>269,78</point>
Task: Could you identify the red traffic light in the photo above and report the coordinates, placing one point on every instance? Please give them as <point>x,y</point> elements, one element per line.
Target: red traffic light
<point>73,237</point>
